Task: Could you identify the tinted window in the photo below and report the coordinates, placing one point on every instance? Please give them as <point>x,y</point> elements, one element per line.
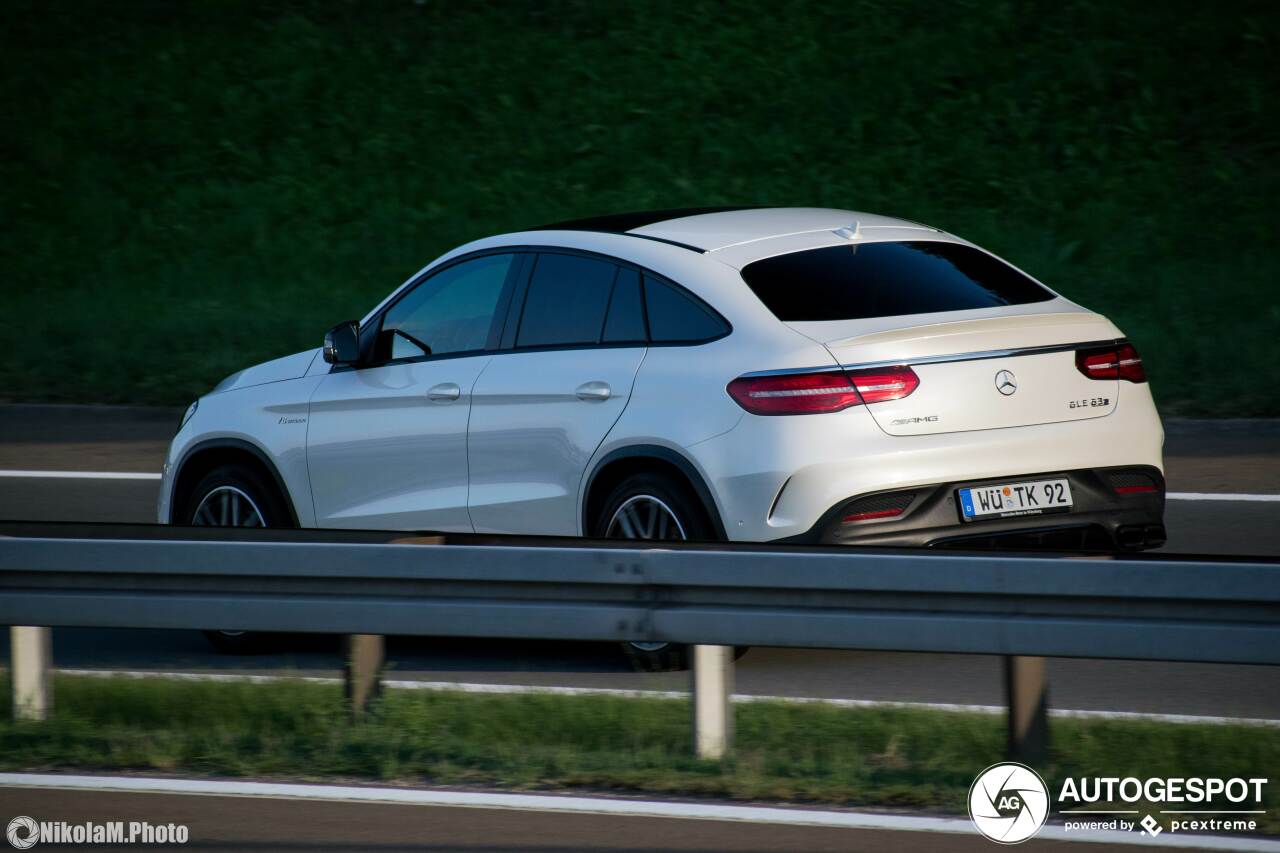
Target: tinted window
<point>566,302</point>
<point>449,312</point>
<point>626,314</point>
<point>673,316</point>
<point>886,280</point>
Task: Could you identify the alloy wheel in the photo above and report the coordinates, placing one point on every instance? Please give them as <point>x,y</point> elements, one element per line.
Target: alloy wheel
<point>227,506</point>
<point>645,517</point>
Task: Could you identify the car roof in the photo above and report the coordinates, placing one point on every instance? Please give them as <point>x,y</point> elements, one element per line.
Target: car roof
<point>731,236</point>
<point>710,229</point>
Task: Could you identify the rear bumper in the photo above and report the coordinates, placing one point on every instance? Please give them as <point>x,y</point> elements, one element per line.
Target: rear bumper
<point>1101,517</point>
<point>776,477</point>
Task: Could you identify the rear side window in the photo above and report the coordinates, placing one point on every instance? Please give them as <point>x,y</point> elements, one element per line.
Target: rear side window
<point>677,318</point>
<point>886,280</point>
<point>566,302</point>
<point>625,323</point>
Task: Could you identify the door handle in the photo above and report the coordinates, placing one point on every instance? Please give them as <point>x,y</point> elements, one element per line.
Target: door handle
<point>445,392</point>
<point>597,391</point>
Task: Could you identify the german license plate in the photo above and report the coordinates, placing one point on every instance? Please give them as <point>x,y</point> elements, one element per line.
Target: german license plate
<point>1014,499</point>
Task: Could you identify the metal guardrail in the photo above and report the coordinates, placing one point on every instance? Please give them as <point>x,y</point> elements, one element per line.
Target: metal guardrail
<point>913,601</point>
<point>1009,604</point>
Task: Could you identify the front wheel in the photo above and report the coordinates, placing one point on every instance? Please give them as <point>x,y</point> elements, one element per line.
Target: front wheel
<point>654,508</point>
<point>235,496</point>
<point>237,642</point>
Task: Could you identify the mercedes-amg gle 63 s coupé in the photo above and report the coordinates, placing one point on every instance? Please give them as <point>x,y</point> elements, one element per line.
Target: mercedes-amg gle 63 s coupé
<point>766,375</point>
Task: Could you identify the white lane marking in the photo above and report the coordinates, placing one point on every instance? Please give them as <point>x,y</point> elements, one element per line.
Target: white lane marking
<point>509,689</point>
<point>82,475</point>
<point>598,806</point>
<point>1219,496</point>
<point>143,475</point>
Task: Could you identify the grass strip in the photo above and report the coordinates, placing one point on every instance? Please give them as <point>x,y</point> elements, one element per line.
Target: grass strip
<point>875,757</point>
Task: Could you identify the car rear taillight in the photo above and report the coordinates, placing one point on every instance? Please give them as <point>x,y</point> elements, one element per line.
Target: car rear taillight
<point>878,384</point>
<point>1119,362</point>
<point>794,394</point>
<point>816,393</point>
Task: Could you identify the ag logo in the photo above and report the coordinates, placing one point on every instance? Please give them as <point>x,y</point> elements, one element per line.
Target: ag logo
<point>1006,382</point>
<point>22,832</point>
<point>1008,803</point>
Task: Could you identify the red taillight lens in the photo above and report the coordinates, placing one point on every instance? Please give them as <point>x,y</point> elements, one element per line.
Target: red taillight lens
<point>794,394</point>
<point>878,384</point>
<point>815,393</point>
<point>1119,362</point>
<point>1134,490</point>
<point>1131,364</point>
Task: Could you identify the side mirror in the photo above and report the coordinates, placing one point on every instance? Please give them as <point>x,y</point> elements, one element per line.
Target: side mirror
<point>342,343</point>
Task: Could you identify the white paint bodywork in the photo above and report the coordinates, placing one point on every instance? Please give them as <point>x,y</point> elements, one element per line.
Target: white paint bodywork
<point>382,453</point>
<point>513,453</point>
<point>531,436</point>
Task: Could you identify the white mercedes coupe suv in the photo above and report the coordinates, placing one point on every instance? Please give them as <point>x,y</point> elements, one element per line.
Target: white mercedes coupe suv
<point>766,375</point>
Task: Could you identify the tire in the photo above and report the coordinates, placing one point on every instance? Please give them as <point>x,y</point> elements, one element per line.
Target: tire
<point>239,642</point>
<point>634,510</point>
<point>241,486</point>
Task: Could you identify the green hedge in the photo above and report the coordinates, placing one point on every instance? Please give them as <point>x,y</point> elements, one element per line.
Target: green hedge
<point>193,187</point>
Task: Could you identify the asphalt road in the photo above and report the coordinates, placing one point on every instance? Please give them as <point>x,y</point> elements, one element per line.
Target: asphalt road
<point>217,823</point>
<point>1238,456</point>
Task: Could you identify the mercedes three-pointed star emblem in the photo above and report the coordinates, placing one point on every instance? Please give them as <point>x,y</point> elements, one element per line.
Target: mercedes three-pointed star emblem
<point>1006,382</point>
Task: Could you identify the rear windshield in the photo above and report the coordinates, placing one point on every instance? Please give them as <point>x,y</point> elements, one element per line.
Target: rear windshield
<point>886,280</point>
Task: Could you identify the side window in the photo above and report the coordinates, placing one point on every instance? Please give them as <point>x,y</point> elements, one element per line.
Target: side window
<point>625,323</point>
<point>675,317</point>
<point>566,301</point>
<point>450,312</point>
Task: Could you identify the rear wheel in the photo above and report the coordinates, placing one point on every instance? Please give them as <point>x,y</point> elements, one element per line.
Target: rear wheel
<point>654,508</point>
<point>236,496</point>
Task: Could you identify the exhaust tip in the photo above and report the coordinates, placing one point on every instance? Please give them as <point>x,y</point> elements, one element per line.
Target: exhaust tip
<point>1131,536</point>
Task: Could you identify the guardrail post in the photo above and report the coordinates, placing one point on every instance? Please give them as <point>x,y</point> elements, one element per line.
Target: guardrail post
<point>32,652</point>
<point>366,654</point>
<point>1027,684</point>
<point>712,714</point>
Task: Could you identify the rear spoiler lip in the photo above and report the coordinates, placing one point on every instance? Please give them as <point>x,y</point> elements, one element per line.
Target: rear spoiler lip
<point>943,359</point>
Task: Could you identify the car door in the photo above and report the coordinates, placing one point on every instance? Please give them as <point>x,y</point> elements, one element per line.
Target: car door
<point>387,440</point>
<point>542,406</point>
